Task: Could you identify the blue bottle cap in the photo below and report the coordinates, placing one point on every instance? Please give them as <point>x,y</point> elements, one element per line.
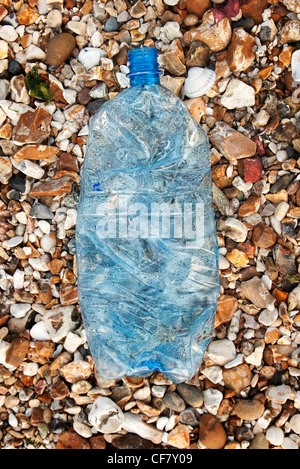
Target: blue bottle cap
<point>143,66</point>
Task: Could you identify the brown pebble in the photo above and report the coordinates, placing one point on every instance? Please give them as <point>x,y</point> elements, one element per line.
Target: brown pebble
<point>211,432</point>
<point>198,7</point>
<point>59,48</point>
<point>226,307</point>
<point>263,236</point>
<point>247,409</point>
<point>52,188</point>
<point>71,440</point>
<point>97,442</point>
<point>191,19</point>
<point>237,378</point>
<point>32,126</point>
<point>198,54</point>
<point>17,352</point>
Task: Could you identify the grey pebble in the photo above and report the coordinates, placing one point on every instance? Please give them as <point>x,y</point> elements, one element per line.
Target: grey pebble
<point>174,402</point>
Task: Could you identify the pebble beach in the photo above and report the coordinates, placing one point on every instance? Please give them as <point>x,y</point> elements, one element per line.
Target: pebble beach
<point>60,61</point>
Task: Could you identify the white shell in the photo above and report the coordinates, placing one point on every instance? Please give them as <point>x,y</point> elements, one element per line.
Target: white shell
<point>199,81</point>
<point>296,65</point>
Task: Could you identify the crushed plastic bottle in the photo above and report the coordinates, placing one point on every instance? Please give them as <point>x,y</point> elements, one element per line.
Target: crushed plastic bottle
<point>146,246</point>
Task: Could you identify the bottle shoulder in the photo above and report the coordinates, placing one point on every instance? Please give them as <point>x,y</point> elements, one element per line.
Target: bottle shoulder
<point>148,104</point>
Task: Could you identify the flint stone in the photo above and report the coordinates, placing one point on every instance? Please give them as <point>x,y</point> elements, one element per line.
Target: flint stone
<point>256,291</point>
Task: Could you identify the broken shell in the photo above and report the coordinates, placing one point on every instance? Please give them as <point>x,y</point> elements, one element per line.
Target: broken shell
<point>199,81</point>
<point>296,65</point>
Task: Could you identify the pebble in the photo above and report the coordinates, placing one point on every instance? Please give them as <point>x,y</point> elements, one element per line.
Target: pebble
<point>134,424</point>
<point>253,137</point>
<point>111,25</point>
<point>173,401</point>
<point>8,33</point>
<point>295,423</point>
<point>179,437</point>
<point>190,394</point>
<point>231,143</point>
<point>211,432</point>
<point>249,409</point>
<point>59,48</point>
<point>90,57</point>
<point>238,95</point>
<point>106,416</point>
<point>54,18</point>
<point>221,351</point>
<point>275,435</point>
<point>259,442</point>
<point>256,291</point>
<point>241,50</point>
<point>5,170</point>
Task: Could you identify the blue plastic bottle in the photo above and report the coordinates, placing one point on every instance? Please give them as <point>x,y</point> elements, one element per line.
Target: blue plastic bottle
<point>146,247</point>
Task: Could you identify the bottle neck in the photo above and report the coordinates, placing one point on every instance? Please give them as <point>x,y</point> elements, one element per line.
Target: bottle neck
<point>143,66</point>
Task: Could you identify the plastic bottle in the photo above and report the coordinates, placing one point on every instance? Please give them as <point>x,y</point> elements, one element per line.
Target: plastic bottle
<point>146,247</point>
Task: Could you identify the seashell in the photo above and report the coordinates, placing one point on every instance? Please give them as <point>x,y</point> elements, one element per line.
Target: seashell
<point>199,81</point>
<point>90,57</point>
<point>296,65</point>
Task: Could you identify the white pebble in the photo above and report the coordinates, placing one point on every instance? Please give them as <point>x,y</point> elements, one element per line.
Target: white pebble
<point>30,369</point>
<point>54,18</point>
<point>282,155</point>
<point>268,317</point>
<point>40,332</point>
<point>12,420</point>
<point>19,310</point>
<point>90,57</point>
<point>44,226</point>
<point>13,242</point>
<point>212,399</point>
<point>295,423</point>
<point>161,423</point>
<point>213,373</point>
<point>82,429</point>
<point>8,33</point>
<point>158,391</point>
<point>223,263</point>
<point>221,351</point>
<point>47,243</point>
<point>18,279</point>
<point>72,342</point>
<point>171,423</point>
<point>275,435</point>
<point>31,169</point>
<point>281,210</point>
<point>288,443</point>
<point>40,263</point>
<point>106,416</point>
